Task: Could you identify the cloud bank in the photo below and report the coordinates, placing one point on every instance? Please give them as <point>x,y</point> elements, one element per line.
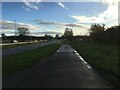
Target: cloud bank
<point>109,16</point>
<point>32,4</point>
<point>9,25</point>
<point>42,22</point>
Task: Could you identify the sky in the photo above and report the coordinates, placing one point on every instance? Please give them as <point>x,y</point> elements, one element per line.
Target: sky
<point>53,17</point>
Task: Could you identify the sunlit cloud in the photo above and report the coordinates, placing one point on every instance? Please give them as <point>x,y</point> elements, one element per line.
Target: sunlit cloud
<point>62,5</point>
<point>32,4</point>
<point>110,2</point>
<point>86,19</point>
<point>42,22</point>
<point>60,27</point>
<point>27,9</point>
<point>50,32</point>
<point>9,25</point>
<point>109,16</point>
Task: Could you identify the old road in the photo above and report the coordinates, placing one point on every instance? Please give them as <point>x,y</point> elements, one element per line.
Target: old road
<point>19,49</point>
<point>65,69</point>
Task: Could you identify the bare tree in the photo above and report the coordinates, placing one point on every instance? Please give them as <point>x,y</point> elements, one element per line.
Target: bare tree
<point>23,31</point>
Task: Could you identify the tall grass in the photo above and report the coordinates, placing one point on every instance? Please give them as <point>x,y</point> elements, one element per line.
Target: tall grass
<point>103,57</point>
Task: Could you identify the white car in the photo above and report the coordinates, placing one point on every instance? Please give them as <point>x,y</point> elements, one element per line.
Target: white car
<point>15,41</point>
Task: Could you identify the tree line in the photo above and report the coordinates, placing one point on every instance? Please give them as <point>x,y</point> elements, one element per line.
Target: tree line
<point>22,34</point>
<point>99,33</point>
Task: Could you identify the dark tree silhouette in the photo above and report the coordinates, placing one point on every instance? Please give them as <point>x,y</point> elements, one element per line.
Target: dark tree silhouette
<point>3,35</point>
<point>100,34</point>
<point>68,34</point>
<point>96,31</point>
<point>48,37</point>
<point>57,36</point>
<point>23,31</point>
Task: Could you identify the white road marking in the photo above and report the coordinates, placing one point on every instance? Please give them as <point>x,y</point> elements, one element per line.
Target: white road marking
<point>57,50</point>
<point>77,54</point>
<point>75,51</point>
<point>88,66</point>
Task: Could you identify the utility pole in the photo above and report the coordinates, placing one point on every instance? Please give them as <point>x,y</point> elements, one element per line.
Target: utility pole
<point>15,29</point>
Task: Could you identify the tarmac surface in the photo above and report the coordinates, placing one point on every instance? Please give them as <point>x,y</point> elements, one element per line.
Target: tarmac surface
<point>12,51</point>
<point>65,69</point>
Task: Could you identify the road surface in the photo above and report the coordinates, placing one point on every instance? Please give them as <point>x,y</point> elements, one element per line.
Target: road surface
<point>11,51</point>
<point>65,69</point>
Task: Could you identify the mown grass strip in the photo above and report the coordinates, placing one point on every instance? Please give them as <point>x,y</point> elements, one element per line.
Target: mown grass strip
<point>103,57</point>
<point>21,61</point>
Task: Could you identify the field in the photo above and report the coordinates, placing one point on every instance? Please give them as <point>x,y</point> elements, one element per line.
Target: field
<point>102,57</point>
<point>21,61</point>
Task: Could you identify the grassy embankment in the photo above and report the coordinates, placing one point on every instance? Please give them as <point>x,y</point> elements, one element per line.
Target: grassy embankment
<point>104,58</point>
<point>21,61</point>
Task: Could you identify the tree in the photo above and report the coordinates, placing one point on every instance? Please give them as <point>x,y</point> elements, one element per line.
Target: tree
<point>68,34</point>
<point>108,36</point>
<point>3,35</point>
<point>23,31</point>
<point>57,36</point>
<point>96,31</point>
<point>97,27</point>
<point>112,36</point>
<point>48,37</point>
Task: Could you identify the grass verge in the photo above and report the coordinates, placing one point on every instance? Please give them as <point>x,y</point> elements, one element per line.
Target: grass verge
<point>21,61</point>
<point>104,58</point>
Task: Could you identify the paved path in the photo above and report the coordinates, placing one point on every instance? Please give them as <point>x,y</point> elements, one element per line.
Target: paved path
<point>65,69</point>
<point>11,51</point>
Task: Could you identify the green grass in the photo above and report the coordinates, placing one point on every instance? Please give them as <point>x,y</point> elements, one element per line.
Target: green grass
<point>103,57</point>
<point>21,61</point>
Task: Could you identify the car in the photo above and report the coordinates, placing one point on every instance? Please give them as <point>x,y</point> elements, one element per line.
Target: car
<point>15,41</point>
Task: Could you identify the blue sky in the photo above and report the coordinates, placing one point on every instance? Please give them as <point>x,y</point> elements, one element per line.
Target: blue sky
<point>54,17</point>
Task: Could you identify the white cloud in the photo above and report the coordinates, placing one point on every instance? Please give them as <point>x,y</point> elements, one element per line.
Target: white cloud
<point>32,4</point>
<point>109,16</point>
<point>42,22</point>
<point>110,2</point>
<point>62,5</point>
<point>85,19</point>
<point>76,30</point>
<point>9,25</point>
<point>60,27</point>
<point>27,9</point>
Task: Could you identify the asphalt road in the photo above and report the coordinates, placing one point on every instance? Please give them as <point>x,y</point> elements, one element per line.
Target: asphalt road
<point>65,69</point>
<point>11,51</point>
